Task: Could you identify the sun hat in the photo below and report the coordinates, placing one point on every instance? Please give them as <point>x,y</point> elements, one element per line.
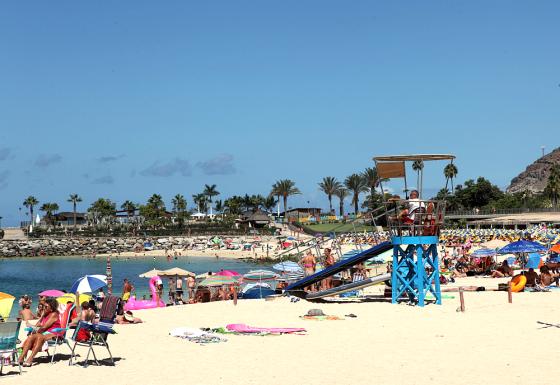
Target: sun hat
<point>128,316</point>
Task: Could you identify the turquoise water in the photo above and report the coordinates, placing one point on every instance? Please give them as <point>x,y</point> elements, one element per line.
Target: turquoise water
<point>19,276</point>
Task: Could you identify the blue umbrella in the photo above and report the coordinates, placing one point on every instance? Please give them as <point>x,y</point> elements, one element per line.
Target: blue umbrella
<point>534,261</point>
<point>483,253</point>
<point>522,246</point>
<point>89,284</point>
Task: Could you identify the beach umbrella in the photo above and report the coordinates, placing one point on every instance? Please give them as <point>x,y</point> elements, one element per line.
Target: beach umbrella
<point>288,267</point>
<point>6,303</point>
<point>218,280</point>
<point>177,272</point>
<point>228,273</point>
<point>89,284</point>
<point>52,293</point>
<point>534,261</point>
<point>555,248</point>
<point>522,246</point>
<point>484,252</point>
<point>260,275</point>
<point>69,297</point>
<point>150,274</point>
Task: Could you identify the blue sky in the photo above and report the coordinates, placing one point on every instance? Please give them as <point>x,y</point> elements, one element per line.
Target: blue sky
<point>127,99</point>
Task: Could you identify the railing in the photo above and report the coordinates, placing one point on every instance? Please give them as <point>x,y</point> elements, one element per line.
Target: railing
<point>415,217</point>
<point>478,212</point>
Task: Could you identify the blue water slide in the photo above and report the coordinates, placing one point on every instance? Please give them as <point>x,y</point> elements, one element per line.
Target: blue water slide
<point>339,266</point>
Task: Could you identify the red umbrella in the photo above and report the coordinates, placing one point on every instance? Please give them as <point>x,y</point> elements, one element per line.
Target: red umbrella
<point>555,248</point>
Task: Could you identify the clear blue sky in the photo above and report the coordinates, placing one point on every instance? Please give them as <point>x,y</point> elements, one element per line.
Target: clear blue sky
<point>126,99</point>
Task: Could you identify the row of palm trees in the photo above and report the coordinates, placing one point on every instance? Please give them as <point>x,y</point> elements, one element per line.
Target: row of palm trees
<point>353,186</point>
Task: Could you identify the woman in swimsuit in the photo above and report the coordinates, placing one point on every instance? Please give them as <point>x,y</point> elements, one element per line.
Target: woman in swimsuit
<point>44,331</point>
<point>309,263</point>
<point>327,283</point>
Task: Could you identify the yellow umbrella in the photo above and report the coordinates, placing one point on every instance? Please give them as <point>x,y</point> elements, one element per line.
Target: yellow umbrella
<point>6,302</point>
<point>70,297</point>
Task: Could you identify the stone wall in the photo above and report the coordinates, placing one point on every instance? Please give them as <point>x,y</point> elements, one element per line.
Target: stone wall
<point>84,246</point>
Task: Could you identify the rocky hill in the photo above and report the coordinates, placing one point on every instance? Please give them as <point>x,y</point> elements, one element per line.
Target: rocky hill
<point>535,176</point>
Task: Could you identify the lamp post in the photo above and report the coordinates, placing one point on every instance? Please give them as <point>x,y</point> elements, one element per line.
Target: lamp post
<point>542,150</point>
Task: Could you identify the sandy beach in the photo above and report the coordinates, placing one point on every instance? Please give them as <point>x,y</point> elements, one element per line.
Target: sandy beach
<point>493,342</point>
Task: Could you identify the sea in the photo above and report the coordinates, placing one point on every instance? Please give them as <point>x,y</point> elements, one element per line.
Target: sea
<point>19,276</point>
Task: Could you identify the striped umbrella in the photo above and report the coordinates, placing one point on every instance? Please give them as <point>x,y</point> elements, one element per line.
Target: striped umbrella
<point>260,275</point>
<point>218,280</point>
<point>228,273</point>
<point>89,284</point>
<point>484,252</point>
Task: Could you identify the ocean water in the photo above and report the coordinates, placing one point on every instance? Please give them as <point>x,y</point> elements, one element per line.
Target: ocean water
<point>19,276</point>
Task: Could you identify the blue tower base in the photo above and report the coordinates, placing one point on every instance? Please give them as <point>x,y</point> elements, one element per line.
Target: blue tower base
<point>412,255</point>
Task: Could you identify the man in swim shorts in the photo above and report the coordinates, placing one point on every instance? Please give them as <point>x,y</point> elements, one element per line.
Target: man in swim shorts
<point>127,290</point>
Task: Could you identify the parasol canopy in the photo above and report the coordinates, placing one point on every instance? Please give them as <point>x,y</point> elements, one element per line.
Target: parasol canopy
<point>176,271</point>
<point>260,275</point>
<point>89,283</point>
<point>150,274</point>
<point>522,246</point>
<point>288,267</point>
<point>6,303</point>
<point>218,280</point>
<point>228,273</point>
<point>70,297</point>
<point>52,293</point>
<point>555,248</point>
<point>484,252</point>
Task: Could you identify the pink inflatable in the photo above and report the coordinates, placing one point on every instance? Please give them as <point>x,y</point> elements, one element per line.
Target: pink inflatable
<point>133,304</point>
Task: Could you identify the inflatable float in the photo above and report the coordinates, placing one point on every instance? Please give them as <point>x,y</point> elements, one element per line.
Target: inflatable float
<point>518,283</point>
<point>133,304</point>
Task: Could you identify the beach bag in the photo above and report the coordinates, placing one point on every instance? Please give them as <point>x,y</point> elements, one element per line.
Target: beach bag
<point>83,335</point>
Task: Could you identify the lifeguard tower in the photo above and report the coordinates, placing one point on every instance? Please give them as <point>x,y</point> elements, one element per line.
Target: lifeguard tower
<point>414,225</point>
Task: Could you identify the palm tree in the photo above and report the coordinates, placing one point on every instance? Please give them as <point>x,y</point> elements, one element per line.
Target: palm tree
<point>200,200</point>
<point>274,192</point>
<point>157,204</point>
<point>285,188</point>
<point>49,209</point>
<point>341,193</point>
<point>210,191</point>
<point>74,199</point>
<point>450,171</point>
<point>418,166</point>
<point>179,207</point>
<point>329,185</point>
<point>357,184</point>
<point>552,188</point>
<point>129,207</point>
<point>30,202</point>
<point>372,178</point>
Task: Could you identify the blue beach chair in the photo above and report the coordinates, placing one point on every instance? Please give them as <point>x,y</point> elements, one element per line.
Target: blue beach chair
<point>9,332</point>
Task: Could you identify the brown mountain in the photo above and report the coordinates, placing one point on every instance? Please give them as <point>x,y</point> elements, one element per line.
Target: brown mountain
<point>535,176</point>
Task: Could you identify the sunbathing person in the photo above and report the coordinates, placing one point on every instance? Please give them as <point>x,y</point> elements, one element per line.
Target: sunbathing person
<point>41,333</point>
<point>548,278</point>
<point>128,318</point>
<point>532,278</point>
<point>503,271</point>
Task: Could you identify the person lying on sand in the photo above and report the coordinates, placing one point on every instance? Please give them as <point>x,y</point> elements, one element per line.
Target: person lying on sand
<point>128,318</point>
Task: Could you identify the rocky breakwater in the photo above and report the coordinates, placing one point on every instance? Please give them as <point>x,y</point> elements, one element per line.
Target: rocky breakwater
<point>85,246</point>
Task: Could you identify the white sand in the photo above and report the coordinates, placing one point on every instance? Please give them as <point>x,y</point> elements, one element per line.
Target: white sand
<point>493,342</point>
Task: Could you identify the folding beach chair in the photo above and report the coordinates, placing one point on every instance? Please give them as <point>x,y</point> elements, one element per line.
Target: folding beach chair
<point>9,332</point>
<point>65,319</point>
<point>98,332</point>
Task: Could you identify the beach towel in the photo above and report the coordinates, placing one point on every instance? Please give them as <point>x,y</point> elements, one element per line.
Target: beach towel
<point>196,335</point>
<point>246,329</point>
